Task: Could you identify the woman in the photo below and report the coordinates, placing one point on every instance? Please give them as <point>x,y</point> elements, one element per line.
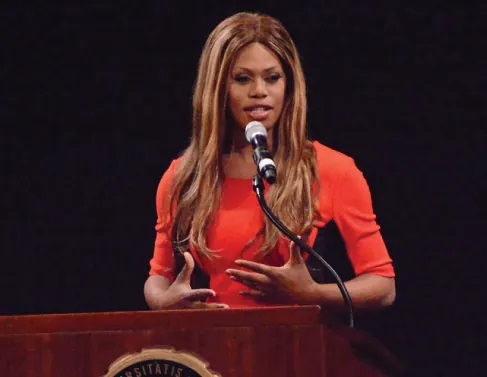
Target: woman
<point>208,215</point>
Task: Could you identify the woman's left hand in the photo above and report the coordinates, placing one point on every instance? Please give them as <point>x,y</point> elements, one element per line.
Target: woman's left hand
<point>289,283</point>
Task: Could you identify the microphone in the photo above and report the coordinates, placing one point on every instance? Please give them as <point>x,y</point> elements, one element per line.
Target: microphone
<point>256,134</point>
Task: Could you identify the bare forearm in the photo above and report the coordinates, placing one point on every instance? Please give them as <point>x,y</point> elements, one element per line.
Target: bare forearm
<point>154,289</point>
<point>366,291</point>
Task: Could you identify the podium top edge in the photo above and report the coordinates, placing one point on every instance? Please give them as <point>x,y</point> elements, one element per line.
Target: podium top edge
<point>150,320</point>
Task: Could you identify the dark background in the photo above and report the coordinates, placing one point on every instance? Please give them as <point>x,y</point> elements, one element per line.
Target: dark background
<point>96,102</point>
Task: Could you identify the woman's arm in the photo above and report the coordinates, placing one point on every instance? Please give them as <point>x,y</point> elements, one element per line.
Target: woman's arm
<point>293,283</point>
<point>367,291</point>
<point>160,293</point>
<point>154,289</point>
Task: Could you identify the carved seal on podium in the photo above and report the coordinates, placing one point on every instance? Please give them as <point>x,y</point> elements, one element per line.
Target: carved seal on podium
<point>165,362</point>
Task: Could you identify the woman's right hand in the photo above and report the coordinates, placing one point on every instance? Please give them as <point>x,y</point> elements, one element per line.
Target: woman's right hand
<point>180,295</point>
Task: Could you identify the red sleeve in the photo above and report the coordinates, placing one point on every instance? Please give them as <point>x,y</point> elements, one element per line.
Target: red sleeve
<point>353,213</point>
<point>162,262</point>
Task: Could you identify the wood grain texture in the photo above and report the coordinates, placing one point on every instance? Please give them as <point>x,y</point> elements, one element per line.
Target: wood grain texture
<point>251,342</point>
<point>284,342</point>
<point>181,319</point>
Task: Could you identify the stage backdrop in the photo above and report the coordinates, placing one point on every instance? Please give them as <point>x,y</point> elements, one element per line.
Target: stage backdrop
<point>97,102</point>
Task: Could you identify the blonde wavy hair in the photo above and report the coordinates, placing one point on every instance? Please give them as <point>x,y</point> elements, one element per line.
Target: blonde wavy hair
<point>196,189</point>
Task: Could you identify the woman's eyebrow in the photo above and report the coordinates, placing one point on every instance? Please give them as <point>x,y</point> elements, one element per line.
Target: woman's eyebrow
<point>247,70</point>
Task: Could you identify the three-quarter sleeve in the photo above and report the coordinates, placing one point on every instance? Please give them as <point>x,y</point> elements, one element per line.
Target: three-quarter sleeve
<point>162,261</point>
<point>353,213</point>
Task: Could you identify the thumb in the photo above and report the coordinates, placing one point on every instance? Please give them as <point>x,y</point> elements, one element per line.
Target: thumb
<point>185,274</point>
<point>295,256</point>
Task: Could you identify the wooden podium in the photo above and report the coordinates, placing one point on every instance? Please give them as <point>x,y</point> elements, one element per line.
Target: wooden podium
<point>278,341</point>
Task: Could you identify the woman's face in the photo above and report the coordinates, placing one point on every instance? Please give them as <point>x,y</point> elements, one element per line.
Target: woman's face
<point>257,86</point>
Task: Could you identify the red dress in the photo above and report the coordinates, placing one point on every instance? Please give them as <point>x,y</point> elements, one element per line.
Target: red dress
<point>344,197</point>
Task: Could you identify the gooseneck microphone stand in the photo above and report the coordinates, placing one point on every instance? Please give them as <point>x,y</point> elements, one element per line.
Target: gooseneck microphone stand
<point>258,187</point>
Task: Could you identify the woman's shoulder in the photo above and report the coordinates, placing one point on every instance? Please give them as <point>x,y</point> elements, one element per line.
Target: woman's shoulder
<point>167,177</point>
<point>332,162</point>
<point>173,165</point>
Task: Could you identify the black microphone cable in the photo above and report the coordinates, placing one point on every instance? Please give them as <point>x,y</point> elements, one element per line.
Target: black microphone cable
<point>258,187</point>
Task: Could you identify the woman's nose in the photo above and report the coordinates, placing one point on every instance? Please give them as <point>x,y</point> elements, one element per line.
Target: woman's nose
<point>259,89</point>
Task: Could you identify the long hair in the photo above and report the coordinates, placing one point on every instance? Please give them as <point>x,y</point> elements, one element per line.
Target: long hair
<point>196,189</point>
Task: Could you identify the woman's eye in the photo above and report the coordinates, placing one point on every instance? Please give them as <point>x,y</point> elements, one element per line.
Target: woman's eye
<point>242,79</point>
<point>273,77</point>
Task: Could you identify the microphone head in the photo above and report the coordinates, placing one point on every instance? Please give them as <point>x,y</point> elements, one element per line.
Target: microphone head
<point>254,128</point>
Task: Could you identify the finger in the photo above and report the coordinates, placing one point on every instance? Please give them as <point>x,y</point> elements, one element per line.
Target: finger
<point>295,256</point>
<point>204,305</point>
<point>250,277</point>
<point>266,286</point>
<point>185,274</point>
<point>256,267</point>
<point>214,305</point>
<point>267,289</point>
<point>199,294</point>
<point>253,293</point>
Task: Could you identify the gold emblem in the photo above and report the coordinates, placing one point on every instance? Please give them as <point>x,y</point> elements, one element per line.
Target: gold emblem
<point>165,362</point>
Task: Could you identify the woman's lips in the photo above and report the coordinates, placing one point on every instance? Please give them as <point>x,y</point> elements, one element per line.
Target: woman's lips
<point>258,113</point>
